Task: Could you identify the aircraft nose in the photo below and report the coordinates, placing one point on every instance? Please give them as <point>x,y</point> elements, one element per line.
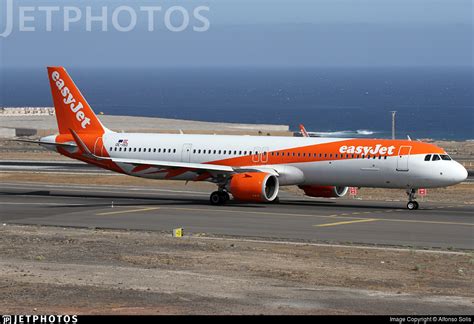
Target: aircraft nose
<point>460,173</point>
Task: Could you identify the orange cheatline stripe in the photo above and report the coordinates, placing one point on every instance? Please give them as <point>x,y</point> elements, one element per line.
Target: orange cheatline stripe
<point>329,151</point>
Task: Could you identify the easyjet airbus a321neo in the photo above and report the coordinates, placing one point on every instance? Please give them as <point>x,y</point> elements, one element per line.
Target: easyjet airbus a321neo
<point>250,168</point>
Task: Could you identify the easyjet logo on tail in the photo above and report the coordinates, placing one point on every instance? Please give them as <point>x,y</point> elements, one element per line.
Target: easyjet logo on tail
<point>366,150</point>
<point>76,107</point>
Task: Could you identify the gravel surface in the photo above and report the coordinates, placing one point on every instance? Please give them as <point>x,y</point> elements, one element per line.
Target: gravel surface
<point>49,269</point>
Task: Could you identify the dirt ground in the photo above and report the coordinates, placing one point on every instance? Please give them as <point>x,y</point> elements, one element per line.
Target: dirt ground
<point>58,270</point>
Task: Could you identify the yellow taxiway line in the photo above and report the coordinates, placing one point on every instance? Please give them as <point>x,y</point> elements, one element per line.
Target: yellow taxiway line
<point>128,211</point>
<point>348,222</point>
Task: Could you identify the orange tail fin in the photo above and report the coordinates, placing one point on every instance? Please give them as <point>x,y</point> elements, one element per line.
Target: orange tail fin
<point>72,110</point>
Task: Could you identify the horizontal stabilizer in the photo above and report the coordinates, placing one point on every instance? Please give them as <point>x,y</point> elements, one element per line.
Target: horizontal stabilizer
<point>45,143</point>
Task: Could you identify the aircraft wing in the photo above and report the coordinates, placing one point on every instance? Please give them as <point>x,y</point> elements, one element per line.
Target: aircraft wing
<point>176,165</point>
<point>171,168</point>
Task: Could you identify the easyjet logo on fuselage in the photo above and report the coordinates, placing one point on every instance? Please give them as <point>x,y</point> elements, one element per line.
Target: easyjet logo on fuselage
<point>76,107</point>
<point>368,150</point>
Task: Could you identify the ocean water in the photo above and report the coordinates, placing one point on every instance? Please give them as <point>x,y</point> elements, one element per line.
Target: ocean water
<point>435,103</point>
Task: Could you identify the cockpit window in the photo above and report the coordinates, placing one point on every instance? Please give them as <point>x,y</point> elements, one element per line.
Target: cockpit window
<point>436,157</point>
<point>428,157</point>
<point>445,157</point>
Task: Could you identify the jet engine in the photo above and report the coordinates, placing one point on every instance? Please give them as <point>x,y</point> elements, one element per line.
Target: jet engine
<point>324,191</point>
<point>254,186</point>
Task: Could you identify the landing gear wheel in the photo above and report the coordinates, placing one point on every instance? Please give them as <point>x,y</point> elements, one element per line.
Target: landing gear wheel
<point>225,196</point>
<point>215,198</point>
<point>219,197</point>
<point>412,205</point>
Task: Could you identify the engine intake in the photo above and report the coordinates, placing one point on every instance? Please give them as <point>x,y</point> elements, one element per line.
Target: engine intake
<point>254,186</point>
<point>325,191</point>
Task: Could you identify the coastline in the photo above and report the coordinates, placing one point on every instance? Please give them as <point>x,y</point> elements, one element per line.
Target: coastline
<point>44,124</point>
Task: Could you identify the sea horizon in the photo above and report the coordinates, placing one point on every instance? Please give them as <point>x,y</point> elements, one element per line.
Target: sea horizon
<point>431,102</point>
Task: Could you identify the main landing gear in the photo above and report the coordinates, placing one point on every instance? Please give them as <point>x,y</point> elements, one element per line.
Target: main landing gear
<point>412,204</point>
<point>219,197</point>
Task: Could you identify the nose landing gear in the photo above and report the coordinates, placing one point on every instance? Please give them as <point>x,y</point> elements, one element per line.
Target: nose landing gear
<point>412,204</point>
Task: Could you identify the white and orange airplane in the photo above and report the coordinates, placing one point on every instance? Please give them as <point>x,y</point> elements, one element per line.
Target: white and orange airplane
<point>250,168</point>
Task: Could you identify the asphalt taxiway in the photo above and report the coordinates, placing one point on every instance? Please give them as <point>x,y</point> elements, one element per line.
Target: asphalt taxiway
<point>435,225</point>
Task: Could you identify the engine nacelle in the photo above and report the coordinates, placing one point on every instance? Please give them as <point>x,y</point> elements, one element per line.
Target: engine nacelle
<point>254,186</point>
<point>324,191</point>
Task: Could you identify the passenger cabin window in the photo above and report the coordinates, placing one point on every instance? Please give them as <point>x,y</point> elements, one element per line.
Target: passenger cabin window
<point>436,157</point>
<point>428,157</point>
<point>445,157</point>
